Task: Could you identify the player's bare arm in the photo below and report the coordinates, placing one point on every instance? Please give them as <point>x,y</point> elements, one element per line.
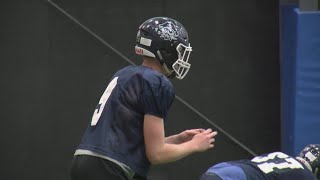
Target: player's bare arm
<point>158,151</point>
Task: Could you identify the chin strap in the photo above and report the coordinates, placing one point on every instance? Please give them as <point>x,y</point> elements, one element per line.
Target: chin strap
<point>169,73</point>
<point>304,162</point>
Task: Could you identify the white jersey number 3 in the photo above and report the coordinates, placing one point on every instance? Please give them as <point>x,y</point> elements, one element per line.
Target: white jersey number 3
<point>103,100</point>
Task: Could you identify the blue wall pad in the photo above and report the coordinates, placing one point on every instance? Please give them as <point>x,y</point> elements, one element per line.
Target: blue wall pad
<point>300,65</point>
<point>288,46</point>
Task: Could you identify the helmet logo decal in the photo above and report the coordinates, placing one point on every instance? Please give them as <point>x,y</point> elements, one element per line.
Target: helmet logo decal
<point>168,31</point>
<point>139,51</point>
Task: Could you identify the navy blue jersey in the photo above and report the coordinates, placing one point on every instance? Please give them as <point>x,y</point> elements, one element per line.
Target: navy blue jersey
<point>273,166</point>
<point>116,129</point>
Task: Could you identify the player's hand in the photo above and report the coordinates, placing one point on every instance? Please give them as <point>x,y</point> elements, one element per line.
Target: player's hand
<point>187,135</point>
<point>204,140</point>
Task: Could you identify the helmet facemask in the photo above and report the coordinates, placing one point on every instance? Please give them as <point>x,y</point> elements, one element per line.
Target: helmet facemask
<point>181,66</point>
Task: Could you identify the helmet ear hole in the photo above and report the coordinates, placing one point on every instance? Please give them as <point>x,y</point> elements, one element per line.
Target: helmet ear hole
<point>168,57</point>
<point>165,52</point>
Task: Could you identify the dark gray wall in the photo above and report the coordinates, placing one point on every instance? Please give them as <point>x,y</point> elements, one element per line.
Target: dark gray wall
<point>26,146</point>
<point>53,73</point>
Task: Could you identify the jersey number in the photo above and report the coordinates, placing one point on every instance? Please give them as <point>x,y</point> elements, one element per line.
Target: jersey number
<point>103,100</point>
<point>267,167</point>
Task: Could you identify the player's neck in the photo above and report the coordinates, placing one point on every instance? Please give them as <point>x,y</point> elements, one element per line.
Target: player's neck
<point>153,64</point>
<point>304,162</point>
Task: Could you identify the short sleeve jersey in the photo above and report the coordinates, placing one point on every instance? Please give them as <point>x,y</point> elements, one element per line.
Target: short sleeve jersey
<point>116,129</point>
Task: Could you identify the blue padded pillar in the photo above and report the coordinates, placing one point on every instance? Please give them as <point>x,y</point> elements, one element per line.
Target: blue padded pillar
<point>300,65</point>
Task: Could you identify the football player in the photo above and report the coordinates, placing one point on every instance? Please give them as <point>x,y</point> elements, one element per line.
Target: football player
<point>272,166</point>
<point>126,134</point>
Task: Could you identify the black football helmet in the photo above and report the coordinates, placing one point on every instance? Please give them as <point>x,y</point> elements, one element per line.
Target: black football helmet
<point>311,154</point>
<point>166,40</point>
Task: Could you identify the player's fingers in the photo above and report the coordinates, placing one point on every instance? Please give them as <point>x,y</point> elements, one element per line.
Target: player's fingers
<point>208,131</point>
<point>212,134</point>
<point>212,140</point>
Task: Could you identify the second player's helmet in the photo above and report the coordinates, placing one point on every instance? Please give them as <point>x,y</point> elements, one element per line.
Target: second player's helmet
<point>167,40</point>
<point>311,154</point>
